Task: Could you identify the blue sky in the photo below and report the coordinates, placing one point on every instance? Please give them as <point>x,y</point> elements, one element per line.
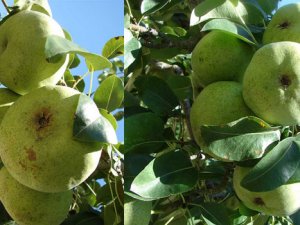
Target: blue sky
<point>285,2</point>
<point>91,23</point>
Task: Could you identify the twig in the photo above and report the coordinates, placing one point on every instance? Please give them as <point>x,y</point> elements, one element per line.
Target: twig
<point>150,37</point>
<point>186,106</point>
<point>5,5</point>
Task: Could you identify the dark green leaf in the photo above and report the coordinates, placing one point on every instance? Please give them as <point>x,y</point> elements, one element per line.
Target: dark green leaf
<point>71,80</point>
<point>243,139</point>
<point>214,213</point>
<point>218,9</point>
<point>132,48</point>
<point>110,94</point>
<point>151,6</point>
<point>233,28</point>
<point>296,217</point>
<point>144,133</point>
<point>169,174</point>
<point>156,94</point>
<point>57,46</point>
<point>275,168</point>
<point>181,86</point>
<point>114,47</point>
<point>268,6</point>
<point>89,128</point>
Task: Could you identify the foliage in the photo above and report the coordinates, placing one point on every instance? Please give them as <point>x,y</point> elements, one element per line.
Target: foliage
<point>99,200</point>
<point>185,184</point>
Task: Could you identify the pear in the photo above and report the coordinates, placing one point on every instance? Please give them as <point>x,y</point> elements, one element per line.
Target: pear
<point>36,140</point>
<point>137,212</point>
<point>23,64</point>
<point>219,56</point>
<point>271,86</point>
<point>218,103</point>
<point>7,98</point>
<point>284,25</point>
<point>30,207</point>
<point>282,201</point>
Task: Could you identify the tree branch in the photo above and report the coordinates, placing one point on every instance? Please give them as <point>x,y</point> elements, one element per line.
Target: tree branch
<point>152,38</point>
<point>5,5</point>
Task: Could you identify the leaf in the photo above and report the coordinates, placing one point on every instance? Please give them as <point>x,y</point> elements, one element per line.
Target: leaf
<point>132,48</point>
<point>89,125</point>
<point>110,94</point>
<point>213,213</point>
<point>174,31</point>
<point>57,46</point>
<point>233,28</point>
<point>110,118</point>
<point>275,168</point>
<point>144,133</point>
<point>218,9</point>
<point>151,6</point>
<point>114,47</point>
<point>181,86</point>
<point>156,94</point>
<point>268,6</point>
<point>166,175</point>
<point>243,139</point>
<point>35,5</point>
<point>71,80</point>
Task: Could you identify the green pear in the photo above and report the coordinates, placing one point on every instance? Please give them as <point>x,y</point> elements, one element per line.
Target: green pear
<point>136,212</point>
<point>219,103</point>
<point>271,86</point>
<point>36,140</point>
<point>219,56</point>
<point>284,25</point>
<point>7,98</point>
<point>23,64</point>
<point>282,201</point>
<point>30,207</point>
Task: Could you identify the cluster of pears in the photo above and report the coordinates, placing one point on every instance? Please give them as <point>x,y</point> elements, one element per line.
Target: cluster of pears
<point>239,81</point>
<point>41,160</point>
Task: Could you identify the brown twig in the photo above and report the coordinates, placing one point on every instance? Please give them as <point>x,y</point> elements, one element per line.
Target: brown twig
<point>5,5</point>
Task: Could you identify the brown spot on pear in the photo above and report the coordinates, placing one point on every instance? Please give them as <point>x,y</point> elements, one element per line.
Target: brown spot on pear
<point>282,201</point>
<point>42,122</point>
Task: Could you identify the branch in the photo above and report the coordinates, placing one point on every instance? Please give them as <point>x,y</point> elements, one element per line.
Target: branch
<point>152,38</point>
<point>5,5</point>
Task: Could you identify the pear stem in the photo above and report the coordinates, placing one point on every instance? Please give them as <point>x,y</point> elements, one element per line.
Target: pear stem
<point>5,5</point>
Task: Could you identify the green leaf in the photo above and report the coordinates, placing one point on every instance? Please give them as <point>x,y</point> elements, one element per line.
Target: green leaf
<point>268,6</point>
<point>132,48</point>
<point>89,128</point>
<point>181,86</point>
<point>110,94</point>
<point>275,168</point>
<point>233,28</point>
<point>151,6</point>
<point>71,80</point>
<point>144,133</point>
<point>35,5</point>
<point>169,174</point>
<point>174,31</point>
<point>243,139</point>
<point>109,117</point>
<point>156,94</point>
<point>56,47</point>
<point>214,213</point>
<point>218,9</point>
<point>114,47</point>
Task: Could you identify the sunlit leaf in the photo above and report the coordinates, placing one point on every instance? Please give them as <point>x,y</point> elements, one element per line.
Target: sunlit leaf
<point>57,46</point>
<point>169,174</point>
<point>114,47</point>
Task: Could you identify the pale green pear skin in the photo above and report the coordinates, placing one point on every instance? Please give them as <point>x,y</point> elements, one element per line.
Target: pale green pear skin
<point>284,25</point>
<point>271,85</point>
<point>37,145</point>
<point>7,98</point>
<point>30,207</point>
<point>282,201</point>
<point>23,63</point>
<point>219,56</point>
<point>137,212</point>
<point>218,103</point>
